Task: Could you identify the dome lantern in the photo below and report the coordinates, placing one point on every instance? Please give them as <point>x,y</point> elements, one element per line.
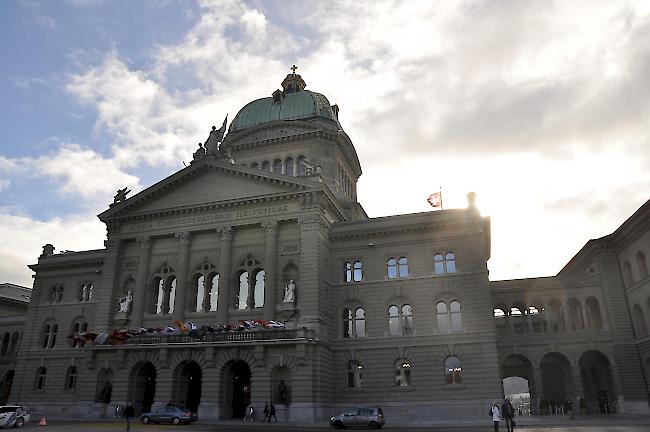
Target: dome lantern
<point>293,82</point>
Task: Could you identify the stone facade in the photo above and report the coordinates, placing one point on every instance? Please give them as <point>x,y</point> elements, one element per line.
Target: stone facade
<point>394,312</point>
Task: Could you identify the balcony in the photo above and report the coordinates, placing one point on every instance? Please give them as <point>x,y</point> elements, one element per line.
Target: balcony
<point>216,337</point>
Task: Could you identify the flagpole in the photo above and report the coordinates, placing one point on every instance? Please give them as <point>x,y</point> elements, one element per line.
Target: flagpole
<point>442,207</point>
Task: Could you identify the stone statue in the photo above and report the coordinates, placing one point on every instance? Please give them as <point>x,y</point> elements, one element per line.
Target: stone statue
<point>48,250</point>
<point>105,394</point>
<point>215,137</point>
<point>121,195</point>
<point>199,154</point>
<point>283,392</point>
<point>289,292</point>
<point>125,302</point>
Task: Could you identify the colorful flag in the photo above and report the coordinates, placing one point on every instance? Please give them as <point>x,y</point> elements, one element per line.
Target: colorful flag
<point>435,199</point>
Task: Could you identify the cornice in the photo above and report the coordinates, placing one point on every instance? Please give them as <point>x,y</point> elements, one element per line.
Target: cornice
<point>393,230</point>
<point>56,266</point>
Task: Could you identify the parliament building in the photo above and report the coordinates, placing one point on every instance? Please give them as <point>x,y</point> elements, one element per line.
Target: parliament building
<point>254,275</point>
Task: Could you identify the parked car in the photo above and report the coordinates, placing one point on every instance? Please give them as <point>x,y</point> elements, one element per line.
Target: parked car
<point>13,416</point>
<point>169,414</point>
<point>372,418</point>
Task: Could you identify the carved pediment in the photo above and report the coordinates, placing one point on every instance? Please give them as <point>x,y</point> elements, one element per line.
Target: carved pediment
<point>207,182</point>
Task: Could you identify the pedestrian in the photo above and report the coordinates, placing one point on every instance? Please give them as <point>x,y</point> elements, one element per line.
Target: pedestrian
<point>508,414</point>
<point>569,408</point>
<point>129,413</point>
<point>250,415</point>
<point>496,416</point>
<point>266,411</point>
<point>272,413</point>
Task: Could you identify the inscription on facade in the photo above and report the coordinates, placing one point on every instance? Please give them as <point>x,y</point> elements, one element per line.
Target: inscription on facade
<point>209,218</point>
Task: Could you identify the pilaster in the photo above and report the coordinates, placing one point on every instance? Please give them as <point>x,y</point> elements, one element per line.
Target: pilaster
<point>184,241</point>
<point>225,278</point>
<point>140,295</point>
<point>270,263</point>
<point>104,313</point>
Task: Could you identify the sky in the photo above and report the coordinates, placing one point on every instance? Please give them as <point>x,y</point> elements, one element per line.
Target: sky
<point>540,107</point>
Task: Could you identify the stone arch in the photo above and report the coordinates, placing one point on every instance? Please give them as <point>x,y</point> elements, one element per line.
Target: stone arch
<point>281,385</point>
<point>555,369</point>
<point>520,366</point>
<point>142,386</point>
<point>187,380</point>
<point>6,383</point>
<point>594,313</point>
<point>104,387</point>
<point>236,377</point>
<point>574,319</point>
<point>598,387</point>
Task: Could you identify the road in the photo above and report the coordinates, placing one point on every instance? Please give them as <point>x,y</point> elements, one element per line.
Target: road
<point>68,426</point>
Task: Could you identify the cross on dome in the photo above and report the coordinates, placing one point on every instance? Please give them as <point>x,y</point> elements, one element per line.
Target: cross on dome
<point>293,69</point>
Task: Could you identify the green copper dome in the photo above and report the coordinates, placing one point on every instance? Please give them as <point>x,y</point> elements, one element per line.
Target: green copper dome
<point>291,104</point>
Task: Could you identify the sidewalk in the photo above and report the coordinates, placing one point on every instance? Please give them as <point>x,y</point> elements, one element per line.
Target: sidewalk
<point>538,421</point>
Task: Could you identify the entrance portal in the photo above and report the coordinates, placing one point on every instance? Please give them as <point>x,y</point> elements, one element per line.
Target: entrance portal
<point>238,387</point>
<point>143,387</point>
<point>597,383</point>
<point>5,387</point>
<point>188,385</point>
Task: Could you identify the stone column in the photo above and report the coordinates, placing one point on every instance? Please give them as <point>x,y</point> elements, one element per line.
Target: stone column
<point>270,260</point>
<point>225,277</point>
<point>181,274</point>
<point>538,389</point>
<point>141,283</point>
<point>576,385</point>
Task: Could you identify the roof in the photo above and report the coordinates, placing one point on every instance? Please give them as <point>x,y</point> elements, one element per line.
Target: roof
<point>15,292</point>
<point>292,106</point>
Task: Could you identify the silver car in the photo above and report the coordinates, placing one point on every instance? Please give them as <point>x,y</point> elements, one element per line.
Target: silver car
<point>372,418</point>
<point>169,414</point>
<point>13,416</point>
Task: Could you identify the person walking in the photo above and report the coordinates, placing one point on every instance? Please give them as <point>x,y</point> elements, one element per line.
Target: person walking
<point>129,413</point>
<point>250,415</point>
<point>272,413</point>
<point>496,416</point>
<point>569,408</point>
<point>266,411</point>
<point>508,414</point>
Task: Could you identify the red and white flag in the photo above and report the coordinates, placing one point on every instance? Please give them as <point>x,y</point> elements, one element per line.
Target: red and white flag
<point>435,199</point>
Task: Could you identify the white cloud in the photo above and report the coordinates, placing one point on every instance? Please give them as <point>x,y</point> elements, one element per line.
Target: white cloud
<point>4,184</point>
<point>80,232</point>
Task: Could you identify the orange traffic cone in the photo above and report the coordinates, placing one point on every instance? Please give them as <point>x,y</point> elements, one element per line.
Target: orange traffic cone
<point>43,422</point>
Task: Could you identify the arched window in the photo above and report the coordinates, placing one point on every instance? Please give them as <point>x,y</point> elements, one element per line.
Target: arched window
<point>5,344</point>
<point>255,165</point>
<point>355,374</point>
<point>242,302</point>
<point>498,313</point>
<point>400,320</point>
<point>443,265</point>
<point>163,291</point>
<point>288,167</point>
<point>56,294</point>
<point>301,167</point>
<point>277,166</point>
<point>358,271</point>
<point>15,338</point>
<point>251,290</point>
<point>438,264</point>
<point>49,336</point>
<point>79,329</point>
<point>403,266</point>
<point>259,289</point>
<point>266,166</point>
<point>453,370</point>
<point>347,272</point>
<point>402,373</point>
<point>442,316</point>
<point>594,319</point>
<point>354,323</point>
<point>556,320</point>
<point>85,292</point>
<point>71,378</point>
<point>456,317</point>
<point>392,268</point>
<point>206,282</point>
<point>643,268</point>
<point>39,382</point>
<point>639,321</point>
<point>450,260</point>
<point>574,315</point>
<point>627,269</point>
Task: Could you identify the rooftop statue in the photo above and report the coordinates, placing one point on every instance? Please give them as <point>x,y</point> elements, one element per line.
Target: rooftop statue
<point>121,195</point>
<point>199,154</point>
<point>215,137</point>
